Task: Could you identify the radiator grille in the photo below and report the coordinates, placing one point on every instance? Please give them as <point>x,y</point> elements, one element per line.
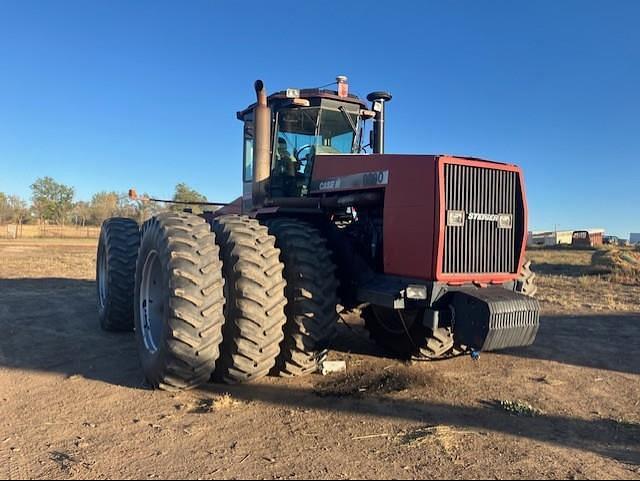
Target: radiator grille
<point>480,246</point>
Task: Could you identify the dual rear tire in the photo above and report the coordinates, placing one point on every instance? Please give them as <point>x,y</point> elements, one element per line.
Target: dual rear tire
<point>281,297</point>
<point>115,273</point>
<point>179,301</point>
<point>255,297</point>
<point>189,285</point>
<point>311,292</point>
<point>526,282</point>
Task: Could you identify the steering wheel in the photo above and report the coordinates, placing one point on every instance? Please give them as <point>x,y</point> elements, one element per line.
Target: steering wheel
<point>297,153</point>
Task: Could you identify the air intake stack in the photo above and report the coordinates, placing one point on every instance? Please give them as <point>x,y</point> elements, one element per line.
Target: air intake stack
<point>262,147</point>
<point>378,100</point>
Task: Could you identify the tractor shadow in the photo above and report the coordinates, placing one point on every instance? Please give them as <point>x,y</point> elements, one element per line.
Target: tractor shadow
<point>51,325</point>
<point>596,341</point>
<point>353,338</point>
<point>605,437</point>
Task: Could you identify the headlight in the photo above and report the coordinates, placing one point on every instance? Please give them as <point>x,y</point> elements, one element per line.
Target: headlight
<point>416,292</point>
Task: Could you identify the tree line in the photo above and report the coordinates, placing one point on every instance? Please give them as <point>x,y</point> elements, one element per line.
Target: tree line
<point>53,203</point>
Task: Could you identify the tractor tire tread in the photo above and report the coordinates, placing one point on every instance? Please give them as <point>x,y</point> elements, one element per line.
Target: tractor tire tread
<point>526,282</point>
<point>311,292</point>
<point>256,299</point>
<point>195,317</point>
<point>121,238</point>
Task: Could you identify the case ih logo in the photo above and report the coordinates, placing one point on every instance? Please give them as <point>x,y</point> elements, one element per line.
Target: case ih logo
<point>354,181</point>
<point>330,184</point>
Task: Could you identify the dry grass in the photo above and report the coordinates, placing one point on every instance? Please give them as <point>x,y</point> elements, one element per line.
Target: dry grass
<point>620,265</point>
<point>586,280</point>
<point>48,231</point>
<point>448,439</point>
<point>586,293</point>
<point>568,280</point>
<point>209,405</point>
<point>445,436</point>
<point>225,401</point>
<point>47,258</point>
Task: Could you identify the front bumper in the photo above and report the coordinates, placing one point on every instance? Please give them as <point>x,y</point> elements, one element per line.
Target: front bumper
<point>494,318</point>
<point>481,318</point>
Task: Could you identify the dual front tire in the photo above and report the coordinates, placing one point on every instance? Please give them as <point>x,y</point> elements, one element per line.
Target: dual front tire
<point>404,333</point>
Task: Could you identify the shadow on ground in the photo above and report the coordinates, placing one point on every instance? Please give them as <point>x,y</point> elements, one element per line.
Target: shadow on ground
<point>50,325</point>
<point>602,436</point>
<point>598,341</point>
<point>551,269</point>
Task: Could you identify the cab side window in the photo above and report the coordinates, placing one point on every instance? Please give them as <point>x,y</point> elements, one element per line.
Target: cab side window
<point>247,163</point>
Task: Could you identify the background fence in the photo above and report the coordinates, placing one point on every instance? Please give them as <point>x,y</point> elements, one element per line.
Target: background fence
<point>30,231</point>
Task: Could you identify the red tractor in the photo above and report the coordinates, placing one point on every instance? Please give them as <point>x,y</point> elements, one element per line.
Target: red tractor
<point>429,247</point>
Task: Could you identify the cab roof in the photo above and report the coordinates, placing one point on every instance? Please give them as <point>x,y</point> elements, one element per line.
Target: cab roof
<point>279,98</point>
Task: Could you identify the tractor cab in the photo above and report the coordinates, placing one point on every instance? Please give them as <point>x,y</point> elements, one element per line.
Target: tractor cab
<point>304,124</point>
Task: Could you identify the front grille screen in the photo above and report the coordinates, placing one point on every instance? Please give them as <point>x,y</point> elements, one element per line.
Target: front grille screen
<point>481,204</point>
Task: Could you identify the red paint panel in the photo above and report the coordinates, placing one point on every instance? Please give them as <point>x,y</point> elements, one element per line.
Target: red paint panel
<point>414,215</point>
<point>409,206</point>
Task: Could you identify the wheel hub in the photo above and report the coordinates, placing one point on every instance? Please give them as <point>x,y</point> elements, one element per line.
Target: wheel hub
<point>103,281</point>
<point>151,303</point>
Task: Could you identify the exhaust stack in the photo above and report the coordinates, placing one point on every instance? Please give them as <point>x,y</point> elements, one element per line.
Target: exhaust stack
<point>262,145</point>
<point>378,100</point>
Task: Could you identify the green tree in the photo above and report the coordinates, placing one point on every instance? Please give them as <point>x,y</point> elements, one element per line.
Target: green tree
<point>103,206</point>
<point>52,201</point>
<point>184,193</point>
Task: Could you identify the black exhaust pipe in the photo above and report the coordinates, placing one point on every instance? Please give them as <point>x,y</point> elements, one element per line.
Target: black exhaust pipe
<point>378,100</point>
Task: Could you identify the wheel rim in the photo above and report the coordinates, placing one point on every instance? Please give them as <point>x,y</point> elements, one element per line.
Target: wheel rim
<point>151,305</point>
<point>103,290</point>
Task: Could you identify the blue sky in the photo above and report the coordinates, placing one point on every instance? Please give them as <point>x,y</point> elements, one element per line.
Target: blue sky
<point>108,95</point>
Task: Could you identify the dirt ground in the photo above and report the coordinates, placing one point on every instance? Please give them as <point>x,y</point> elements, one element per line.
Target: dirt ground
<point>73,403</point>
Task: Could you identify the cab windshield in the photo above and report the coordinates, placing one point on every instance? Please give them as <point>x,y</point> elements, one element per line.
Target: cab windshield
<point>304,132</point>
